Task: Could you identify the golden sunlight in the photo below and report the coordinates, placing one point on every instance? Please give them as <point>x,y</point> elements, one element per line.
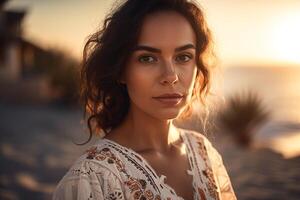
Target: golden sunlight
<point>287,145</point>
<point>285,38</point>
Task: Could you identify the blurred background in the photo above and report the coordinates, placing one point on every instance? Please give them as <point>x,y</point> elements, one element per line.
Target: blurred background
<point>256,114</point>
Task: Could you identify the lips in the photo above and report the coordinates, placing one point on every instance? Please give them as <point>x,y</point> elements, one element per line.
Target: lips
<point>168,96</point>
<point>169,99</point>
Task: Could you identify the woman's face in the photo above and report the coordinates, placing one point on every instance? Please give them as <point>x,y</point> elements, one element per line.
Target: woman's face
<point>161,71</point>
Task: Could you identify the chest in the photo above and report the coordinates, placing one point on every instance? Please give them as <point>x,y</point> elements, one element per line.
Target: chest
<point>174,168</point>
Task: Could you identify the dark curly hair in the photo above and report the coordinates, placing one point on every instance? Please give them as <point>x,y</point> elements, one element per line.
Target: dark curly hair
<point>106,52</point>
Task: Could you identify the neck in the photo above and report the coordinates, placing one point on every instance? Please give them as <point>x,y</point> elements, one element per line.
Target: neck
<point>144,132</point>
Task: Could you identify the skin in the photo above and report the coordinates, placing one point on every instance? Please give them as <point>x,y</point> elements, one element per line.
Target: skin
<point>148,128</point>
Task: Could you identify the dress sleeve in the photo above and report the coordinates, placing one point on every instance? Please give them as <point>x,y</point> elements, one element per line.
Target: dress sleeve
<point>222,177</point>
<point>89,180</point>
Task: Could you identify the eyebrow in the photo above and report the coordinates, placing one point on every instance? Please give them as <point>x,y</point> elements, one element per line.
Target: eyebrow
<point>155,50</point>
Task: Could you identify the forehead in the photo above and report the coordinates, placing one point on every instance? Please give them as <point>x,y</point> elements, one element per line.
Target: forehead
<point>166,29</point>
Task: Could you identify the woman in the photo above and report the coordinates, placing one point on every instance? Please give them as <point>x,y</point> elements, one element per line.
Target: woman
<point>140,72</point>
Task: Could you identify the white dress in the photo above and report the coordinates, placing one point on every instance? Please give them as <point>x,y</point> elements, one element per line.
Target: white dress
<point>109,170</point>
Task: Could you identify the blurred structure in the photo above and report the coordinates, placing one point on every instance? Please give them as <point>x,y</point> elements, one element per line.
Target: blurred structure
<point>24,66</point>
<point>241,117</point>
<point>11,43</point>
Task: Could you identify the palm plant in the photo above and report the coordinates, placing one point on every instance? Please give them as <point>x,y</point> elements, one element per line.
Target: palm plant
<point>241,116</point>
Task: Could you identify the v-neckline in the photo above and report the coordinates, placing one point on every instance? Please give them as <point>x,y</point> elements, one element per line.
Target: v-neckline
<point>161,178</point>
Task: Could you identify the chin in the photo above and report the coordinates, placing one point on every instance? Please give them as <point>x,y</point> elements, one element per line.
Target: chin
<point>167,115</point>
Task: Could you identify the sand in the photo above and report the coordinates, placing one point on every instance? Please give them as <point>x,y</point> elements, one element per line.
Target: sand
<point>36,149</point>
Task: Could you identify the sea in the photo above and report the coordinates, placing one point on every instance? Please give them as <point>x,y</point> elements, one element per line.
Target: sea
<point>279,90</point>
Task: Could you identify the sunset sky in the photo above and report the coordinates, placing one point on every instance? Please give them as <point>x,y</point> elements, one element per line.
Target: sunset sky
<point>247,33</point>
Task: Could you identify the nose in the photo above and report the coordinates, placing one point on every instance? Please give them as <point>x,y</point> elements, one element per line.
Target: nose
<point>169,75</point>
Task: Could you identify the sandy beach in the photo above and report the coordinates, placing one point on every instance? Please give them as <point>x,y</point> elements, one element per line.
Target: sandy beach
<point>260,173</point>
<point>37,147</point>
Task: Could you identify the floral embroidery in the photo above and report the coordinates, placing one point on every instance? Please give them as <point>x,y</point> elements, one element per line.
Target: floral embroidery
<point>138,186</point>
<point>212,187</point>
<point>130,178</point>
<point>208,173</point>
<point>91,153</point>
<point>116,195</point>
<point>201,194</point>
<point>132,158</point>
<point>103,154</point>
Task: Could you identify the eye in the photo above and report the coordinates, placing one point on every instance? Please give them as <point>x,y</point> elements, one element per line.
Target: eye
<point>183,58</point>
<point>147,59</point>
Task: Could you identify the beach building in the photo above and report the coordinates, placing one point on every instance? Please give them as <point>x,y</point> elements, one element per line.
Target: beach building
<point>21,61</point>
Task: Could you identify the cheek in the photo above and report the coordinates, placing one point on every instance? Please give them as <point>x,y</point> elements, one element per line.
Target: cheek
<point>139,82</point>
<point>188,76</point>
<point>188,81</point>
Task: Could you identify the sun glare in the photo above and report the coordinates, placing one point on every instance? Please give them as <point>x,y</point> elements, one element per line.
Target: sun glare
<point>287,145</point>
<point>285,38</point>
